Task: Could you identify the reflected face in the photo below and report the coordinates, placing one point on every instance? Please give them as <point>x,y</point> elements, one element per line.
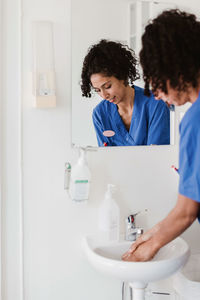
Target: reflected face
<point>173,96</point>
<point>108,88</point>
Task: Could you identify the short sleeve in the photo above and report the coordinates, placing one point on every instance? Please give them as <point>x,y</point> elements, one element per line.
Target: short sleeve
<point>98,129</point>
<point>159,125</point>
<point>189,159</point>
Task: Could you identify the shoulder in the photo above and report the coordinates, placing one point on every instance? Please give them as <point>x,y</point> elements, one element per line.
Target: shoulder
<point>100,108</point>
<point>150,102</point>
<point>189,162</point>
<point>104,105</point>
<point>190,121</point>
<point>103,109</point>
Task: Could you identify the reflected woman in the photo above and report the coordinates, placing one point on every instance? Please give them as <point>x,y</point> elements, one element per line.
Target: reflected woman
<point>125,116</point>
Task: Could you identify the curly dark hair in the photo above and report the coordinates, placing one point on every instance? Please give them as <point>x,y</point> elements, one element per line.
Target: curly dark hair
<point>171,51</point>
<point>111,59</point>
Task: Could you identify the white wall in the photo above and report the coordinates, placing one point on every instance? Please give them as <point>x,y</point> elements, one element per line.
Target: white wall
<point>54,266</point>
<point>10,146</point>
<point>1,123</point>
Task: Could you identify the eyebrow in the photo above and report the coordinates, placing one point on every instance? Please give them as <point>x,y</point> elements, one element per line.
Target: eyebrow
<point>109,81</point>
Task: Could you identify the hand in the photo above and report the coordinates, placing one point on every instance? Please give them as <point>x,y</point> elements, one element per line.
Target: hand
<point>178,220</point>
<point>132,248</point>
<point>133,254</point>
<point>141,251</point>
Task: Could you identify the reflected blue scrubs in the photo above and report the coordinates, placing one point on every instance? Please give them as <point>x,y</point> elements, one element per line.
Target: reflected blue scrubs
<point>189,155</point>
<point>150,122</point>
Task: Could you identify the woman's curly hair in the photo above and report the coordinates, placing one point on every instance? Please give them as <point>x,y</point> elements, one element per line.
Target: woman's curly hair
<point>171,51</point>
<point>111,59</point>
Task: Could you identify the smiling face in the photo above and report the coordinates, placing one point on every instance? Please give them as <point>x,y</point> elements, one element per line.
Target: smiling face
<point>109,88</point>
<point>172,97</point>
<point>176,97</point>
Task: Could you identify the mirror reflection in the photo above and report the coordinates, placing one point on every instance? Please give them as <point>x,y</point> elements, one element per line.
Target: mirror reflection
<point>125,116</point>
<point>109,107</point>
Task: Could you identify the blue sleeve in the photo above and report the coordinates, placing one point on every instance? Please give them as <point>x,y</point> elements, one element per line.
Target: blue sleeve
<point>101,139</point>
<point>189,159</point>
<point>159,125</point>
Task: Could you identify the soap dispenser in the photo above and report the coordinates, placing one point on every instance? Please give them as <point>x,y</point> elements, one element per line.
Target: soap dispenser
<point>80,179</point>
<point>109,216</point>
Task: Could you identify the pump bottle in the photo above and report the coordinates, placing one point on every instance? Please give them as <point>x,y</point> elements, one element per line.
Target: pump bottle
<point>109,216</point>
<point>80,179</point>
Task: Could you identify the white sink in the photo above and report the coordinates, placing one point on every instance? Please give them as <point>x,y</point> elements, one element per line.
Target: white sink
<point>106,257</point>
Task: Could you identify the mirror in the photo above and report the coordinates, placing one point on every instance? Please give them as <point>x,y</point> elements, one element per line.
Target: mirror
<point>93,20</point>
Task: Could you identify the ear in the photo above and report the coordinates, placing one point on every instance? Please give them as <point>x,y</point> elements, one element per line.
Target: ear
<point>126,82</point>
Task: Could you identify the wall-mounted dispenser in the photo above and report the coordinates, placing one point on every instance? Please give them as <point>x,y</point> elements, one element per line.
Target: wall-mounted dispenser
<point>43,70</point>
<point>80,179</point>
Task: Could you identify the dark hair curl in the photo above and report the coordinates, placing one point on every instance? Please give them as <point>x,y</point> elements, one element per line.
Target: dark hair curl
<point>171,51</point>
<point>111,59</point>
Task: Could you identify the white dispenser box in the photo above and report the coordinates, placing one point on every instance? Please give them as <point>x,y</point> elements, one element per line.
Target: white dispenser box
<point>43,70</point>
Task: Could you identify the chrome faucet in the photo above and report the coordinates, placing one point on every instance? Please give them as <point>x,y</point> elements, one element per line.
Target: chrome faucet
<point>132,232</point>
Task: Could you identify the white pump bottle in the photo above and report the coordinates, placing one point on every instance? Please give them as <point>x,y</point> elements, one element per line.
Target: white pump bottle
<point>109,216</point>
<point>80,179</point>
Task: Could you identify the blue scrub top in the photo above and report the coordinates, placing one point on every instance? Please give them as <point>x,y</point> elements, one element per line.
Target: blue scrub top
<point>150,122</point>
<point>189,154</point>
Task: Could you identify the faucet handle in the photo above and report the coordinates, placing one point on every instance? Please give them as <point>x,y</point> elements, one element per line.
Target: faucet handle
<point>132,232</point>
<point>131,219</point>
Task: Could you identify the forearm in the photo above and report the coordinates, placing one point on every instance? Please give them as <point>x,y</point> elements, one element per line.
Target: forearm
<point>177,221</point>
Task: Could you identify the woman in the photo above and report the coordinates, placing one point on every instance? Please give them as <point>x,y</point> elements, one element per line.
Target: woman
<point>125,116</point>
<point>171,65</point>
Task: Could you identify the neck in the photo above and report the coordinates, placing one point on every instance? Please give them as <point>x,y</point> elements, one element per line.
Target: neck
<point>128,100</point>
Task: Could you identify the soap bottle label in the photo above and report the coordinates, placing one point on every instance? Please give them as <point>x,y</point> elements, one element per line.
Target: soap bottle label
<point>80,190</point>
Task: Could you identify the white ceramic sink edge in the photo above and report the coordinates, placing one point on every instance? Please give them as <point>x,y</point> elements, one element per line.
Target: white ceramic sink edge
<point>106,257</point>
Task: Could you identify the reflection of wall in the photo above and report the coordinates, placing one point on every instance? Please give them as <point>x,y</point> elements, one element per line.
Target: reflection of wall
<point>91,21</point>
<point>54,266</point>
<point>140,12</point>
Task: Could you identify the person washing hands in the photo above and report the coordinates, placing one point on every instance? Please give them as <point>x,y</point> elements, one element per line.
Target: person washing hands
<point>170,58</point>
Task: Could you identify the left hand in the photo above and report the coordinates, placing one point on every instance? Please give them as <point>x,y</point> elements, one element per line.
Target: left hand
<point>143,252</point>
<point>133,255</point>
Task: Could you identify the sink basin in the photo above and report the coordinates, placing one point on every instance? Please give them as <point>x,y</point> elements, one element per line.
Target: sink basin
<point>106,257</point>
